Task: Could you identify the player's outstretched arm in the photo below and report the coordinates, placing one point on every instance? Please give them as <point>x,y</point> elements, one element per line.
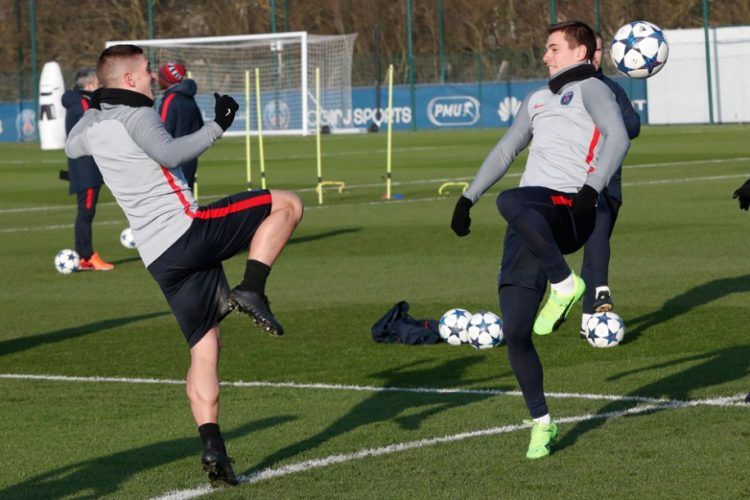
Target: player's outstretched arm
<point>225,109</point>
<point>76,145</point>
<point>743,193</point>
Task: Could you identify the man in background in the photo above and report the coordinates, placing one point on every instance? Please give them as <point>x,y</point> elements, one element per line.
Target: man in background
<point>596,251</point>
<point>83,173</point>
<point>179,111</point>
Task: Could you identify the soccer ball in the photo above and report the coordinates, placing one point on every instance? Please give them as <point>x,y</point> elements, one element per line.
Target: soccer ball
<point>452,326</point>
<point>639,49</point>
<point>67,261</point>
<point>485,330</point>
<point>126,238</point>
<point>605,329</point>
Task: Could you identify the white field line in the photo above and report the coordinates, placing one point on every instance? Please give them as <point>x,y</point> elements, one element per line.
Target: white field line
<point>364,203</point>
<point>652,404</point>
<point>72,207</point>
<point>317,463</point>
<point>724,401</point>
<point>318,207</point>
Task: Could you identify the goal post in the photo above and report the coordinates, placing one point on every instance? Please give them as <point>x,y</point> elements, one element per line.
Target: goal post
<point>286,63</point>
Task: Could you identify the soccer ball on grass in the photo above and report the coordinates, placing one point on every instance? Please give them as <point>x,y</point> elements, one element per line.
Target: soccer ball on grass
<point>67,261</point>
<point>126,238</point>
<point>452,326</point>
<point>485,330</point>
<point>604,329</point>
<point>639,49</point>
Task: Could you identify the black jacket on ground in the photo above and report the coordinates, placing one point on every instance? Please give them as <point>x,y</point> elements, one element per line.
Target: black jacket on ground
<point>82,172</point>
<point>181,116</point>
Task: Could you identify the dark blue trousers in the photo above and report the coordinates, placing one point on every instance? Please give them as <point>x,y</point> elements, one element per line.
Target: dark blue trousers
<point>596,251</point>
<point>84,218</point>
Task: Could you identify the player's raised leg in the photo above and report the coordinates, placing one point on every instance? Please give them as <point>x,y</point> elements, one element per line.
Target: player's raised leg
<point>267,243</point>
<point>202,386</point>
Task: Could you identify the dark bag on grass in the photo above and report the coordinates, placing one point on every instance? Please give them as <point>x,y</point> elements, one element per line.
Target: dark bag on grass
<point>398,326</point>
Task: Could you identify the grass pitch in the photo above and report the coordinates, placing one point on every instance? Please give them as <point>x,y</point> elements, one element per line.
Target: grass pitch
<point>679,275</point>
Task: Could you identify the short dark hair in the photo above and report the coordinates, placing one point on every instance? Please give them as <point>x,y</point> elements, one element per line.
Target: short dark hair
<point>84,76</point>
<point>576,33</point>
<point>105,65</point>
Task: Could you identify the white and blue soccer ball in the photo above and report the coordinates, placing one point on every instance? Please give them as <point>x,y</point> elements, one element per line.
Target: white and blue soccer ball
<point>67,261</point>
<point>604,329</point>
<point>485,330</point>
<point>639,49</point>
<point>453,324</point>
<point>126,238</point>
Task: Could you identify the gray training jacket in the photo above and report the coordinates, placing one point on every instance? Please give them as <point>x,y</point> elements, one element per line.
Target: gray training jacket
<point>577,137</point>
<point>130,145</point>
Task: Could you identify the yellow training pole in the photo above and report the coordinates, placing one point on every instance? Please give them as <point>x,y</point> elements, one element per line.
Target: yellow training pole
<point>260,130</point>
<point>317,135</point>
<point>248,158</point>
<point>390,128</point>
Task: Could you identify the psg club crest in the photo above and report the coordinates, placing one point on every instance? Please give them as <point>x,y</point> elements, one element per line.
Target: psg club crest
<point>566,98</point>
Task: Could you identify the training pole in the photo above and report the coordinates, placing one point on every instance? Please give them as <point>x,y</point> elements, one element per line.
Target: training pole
<point>260,130</point>
<point>317,135</point>
<point>390,133</point>
<point>248,158</point>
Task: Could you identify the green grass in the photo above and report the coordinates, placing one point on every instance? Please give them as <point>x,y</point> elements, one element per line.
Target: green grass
<point>680,278</point>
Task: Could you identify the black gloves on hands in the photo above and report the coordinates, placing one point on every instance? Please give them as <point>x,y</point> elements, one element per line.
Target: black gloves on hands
<point>743,193</point>
<point>461,220</point>
<point>584,202</point>
<point>225,109</point>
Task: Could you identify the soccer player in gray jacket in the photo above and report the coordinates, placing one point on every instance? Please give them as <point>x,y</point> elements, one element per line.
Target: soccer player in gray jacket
<point>183,244</point>
<point>576,140</point>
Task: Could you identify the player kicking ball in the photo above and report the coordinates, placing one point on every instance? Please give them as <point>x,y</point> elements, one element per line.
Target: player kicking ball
<point>577,140</point>
<point>181,243</point>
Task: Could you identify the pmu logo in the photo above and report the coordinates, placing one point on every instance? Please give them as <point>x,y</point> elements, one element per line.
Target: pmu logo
<point>453,111</point>
<point>276,115</point>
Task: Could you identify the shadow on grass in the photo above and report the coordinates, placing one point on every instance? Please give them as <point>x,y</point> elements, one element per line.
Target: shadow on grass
<point>408,409</point>
<point>717,367</point>
<point>327,234</point>
<point>23,343</point>
<point>126,259</point>
<point>102,476</point>
<point>679,305</point>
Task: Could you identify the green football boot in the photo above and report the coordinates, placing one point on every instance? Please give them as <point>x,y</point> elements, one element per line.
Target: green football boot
<point>543,436</point>
<point>556,310</point>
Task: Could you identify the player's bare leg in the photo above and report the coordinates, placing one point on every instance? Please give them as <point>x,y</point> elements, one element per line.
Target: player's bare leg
<point>203,392</point>
<point>266,246</point>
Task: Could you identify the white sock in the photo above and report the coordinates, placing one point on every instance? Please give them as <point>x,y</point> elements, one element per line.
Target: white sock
<point>546,419</point>
<point>566,286</point>
<point>584,319</point>
<point>600,289</point>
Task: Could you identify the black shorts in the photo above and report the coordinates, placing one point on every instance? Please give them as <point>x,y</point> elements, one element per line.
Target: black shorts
<point>190,273</point>
<point>521,267</point>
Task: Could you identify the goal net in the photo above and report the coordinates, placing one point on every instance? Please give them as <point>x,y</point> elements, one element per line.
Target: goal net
<point>286,65</point>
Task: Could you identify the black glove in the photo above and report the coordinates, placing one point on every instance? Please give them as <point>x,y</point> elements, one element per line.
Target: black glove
<point>584,202</point>
<point>743,193</point>
<point>224,110</point>
<point>461,220</point>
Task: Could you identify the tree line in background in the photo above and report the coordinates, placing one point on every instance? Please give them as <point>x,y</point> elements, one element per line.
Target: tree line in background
<point>481,39</point>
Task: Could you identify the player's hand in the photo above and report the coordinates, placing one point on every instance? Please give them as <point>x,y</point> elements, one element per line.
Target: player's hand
<point>584,202</point>
<point>225,109</point>
<point>461,220</point>
<point>743,193</point>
